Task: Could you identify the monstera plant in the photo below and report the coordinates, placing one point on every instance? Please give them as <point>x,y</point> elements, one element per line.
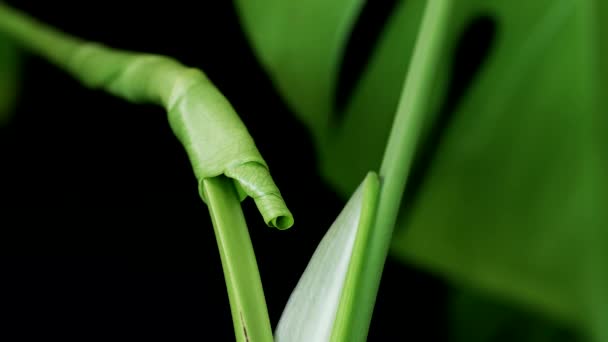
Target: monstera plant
<point>481,158</point>
<point>507,184</point>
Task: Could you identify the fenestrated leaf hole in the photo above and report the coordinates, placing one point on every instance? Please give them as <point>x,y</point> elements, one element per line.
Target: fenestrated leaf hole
<point>358,50</point>
<point>470,54</point>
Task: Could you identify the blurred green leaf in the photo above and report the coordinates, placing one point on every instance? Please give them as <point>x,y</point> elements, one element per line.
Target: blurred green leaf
<point>476,318</point>
<point>9,77</point>
<point>509,204</point>
<point>513,200</point>
<point>301,44</point>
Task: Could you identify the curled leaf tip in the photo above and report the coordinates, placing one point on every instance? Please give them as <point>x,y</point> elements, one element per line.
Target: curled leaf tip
<point>283,222</point>
<point>254,180</point>
<point>216,140</point>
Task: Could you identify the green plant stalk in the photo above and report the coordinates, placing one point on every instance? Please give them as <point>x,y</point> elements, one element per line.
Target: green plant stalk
<point>216,140</point>
<point>344,328</point>
<point>310,313</point>
<point>217,143</point>
<point>247,303</point>
<point>415,103</point>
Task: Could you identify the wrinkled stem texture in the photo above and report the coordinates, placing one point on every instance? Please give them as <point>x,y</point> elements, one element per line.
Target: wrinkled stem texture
<point>411,113</point>
<point>216,140</point>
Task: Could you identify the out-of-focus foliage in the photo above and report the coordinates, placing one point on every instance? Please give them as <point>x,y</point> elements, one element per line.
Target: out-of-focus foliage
<point>510,202</point>
<point>477,318</point>
<point>513,200</point>
<point>9,76</point>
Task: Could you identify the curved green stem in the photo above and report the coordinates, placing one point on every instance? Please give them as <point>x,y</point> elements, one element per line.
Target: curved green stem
<point>216,140</point>
<point>247,303</point>
<point>407,126</point>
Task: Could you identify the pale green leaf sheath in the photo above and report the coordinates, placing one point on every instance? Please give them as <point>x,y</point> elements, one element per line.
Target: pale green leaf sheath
<point>310,314</point>
<point>216,140</point>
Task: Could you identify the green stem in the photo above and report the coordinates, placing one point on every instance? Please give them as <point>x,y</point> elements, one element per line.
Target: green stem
<point>247,303</point>
<point>405,134</point>
<point>216,140</point>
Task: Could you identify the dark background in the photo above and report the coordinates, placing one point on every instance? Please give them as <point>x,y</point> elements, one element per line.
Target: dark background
<point>102,232</point>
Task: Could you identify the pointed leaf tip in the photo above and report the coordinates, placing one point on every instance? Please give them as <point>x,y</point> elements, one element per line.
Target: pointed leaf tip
<point>311,311</point>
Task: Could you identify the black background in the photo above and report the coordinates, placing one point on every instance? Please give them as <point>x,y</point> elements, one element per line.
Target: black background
<point>102,232</point>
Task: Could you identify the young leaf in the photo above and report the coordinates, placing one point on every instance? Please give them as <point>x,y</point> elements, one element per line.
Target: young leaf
<point>215,139</point>
<point>312,310</point>
<point>9,78</point>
